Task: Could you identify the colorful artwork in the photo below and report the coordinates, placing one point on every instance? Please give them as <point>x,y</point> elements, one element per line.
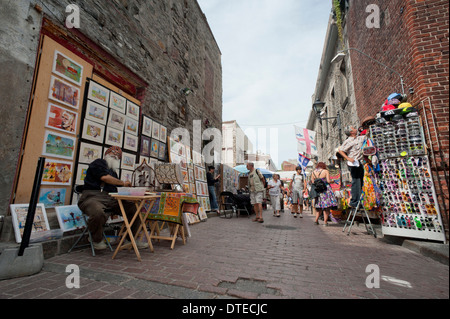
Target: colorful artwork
<point>162,151</point>
<point>114,137</point>
<point>67,68</point>
<point>118,103</point>
<point>93,131</point>
<point>128,161</point>
<point>156,129</point>
<point>19,216</point>
<point>52,197</point>
<point>70,218</point>
<point>81,173</point>
<point>168,207</point>
<point>61,119</point>
<point>89,153</point>
<point>147,126</point>
<point>163,134</point>
<point>126,176</point>
<point>58,145</point>
<point>96,112</point>
<point>131,126</point>
<point>145,146</point>
<point>154,152</point>
<point>116,120</point>
<point>132,110</point>
<point>131,142</point>
<point>57,173</point>
<point>64,92</point>
<point>98,93</point>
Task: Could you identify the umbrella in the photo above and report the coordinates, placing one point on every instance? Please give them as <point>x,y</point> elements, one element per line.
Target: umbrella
<point>241,169</point>
<point>265,172</point>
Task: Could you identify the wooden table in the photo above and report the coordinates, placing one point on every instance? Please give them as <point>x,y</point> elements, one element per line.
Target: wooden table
<point>139,202</point>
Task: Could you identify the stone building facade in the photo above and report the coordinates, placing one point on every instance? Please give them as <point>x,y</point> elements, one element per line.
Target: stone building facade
<point>410,37</point>
<point>152,50</point>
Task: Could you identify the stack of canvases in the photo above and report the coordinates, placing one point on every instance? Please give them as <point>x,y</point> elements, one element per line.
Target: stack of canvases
<point>409,199</point>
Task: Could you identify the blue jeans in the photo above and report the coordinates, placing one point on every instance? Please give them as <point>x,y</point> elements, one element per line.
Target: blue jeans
<point>212,197</point>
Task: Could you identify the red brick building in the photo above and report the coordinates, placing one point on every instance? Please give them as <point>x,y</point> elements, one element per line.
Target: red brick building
<point>412,39</point>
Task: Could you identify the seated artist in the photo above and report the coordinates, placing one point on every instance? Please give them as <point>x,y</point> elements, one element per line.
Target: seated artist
<point>101,179</point>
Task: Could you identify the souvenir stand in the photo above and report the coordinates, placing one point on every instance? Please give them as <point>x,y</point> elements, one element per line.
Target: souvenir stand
<point>410,207</point>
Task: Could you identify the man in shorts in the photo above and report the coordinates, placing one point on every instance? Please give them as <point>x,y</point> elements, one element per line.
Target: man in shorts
<point>297,189</point>
<point>256,187</point>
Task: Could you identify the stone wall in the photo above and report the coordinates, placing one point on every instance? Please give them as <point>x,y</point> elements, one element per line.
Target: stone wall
<point>166,44</point>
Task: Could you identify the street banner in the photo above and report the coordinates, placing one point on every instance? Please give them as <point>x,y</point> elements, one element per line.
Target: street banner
<point>306,141</point>
<point>303,162</point>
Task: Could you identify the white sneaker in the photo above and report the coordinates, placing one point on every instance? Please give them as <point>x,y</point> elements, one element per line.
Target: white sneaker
<point>139,244</point>
<point>100,246</point>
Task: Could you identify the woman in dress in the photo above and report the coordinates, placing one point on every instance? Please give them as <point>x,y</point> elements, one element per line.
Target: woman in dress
<point>326,199</point>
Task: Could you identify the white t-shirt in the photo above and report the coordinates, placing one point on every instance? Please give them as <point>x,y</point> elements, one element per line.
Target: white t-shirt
<point>297,182</point>
<point>276,188</point>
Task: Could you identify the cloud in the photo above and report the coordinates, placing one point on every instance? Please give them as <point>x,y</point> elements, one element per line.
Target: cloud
<point>271,51</point>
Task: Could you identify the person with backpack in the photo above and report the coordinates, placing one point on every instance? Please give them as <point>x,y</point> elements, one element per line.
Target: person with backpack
<point>297,189</point>
<point>256,185</point>
<point>320,179</point>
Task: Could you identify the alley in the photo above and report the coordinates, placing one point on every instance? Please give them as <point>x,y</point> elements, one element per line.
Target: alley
<point>286,257</point>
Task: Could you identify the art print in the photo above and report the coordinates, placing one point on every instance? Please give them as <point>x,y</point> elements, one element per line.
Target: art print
<point>147,126</point>
<point>118,103</point>
<point>126,176</point>
<point>89,153</point>
<point>93,131</point>
<point>57,173</point>
<point>98,93</point>
<point>81,174</point>
<point>162,151</point>
<point>58,145</point>
<point>131,142</point>
<point>156,128</point>
<point>128,161</point>
<point>154,151</point>
<point>163,134</point>
<point>19,214</point>
<point>114,137</point>
<point>70,218</point>
<point>67,68</point>
<point>145,146</point>
<point>96,112</point>
<point>132,110</point>
<point>116,120</point>
<point>52,197</point>
<point>64,92</point>
<point>131,126</point>
<point>61,119</point>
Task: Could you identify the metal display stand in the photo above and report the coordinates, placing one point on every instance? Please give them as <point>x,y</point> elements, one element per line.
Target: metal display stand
<point>410,206</point>
<point>351,219</point>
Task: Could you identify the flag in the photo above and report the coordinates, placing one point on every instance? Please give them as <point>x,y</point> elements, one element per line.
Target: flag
<point>306,141</point>
<point>303,161</point>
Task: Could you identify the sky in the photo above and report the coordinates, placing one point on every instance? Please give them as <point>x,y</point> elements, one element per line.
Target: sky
<point>271,52</point>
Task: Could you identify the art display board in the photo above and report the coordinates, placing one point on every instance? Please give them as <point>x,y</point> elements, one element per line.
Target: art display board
<point>410,206</point>
<point>54,117</point>
<point>230,179</point>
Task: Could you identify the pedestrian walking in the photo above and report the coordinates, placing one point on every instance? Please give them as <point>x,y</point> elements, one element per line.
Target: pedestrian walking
<point>297,189</point>
<point>274,187</point>
<point>325,197</point>
<point>256,188</point>
<point>351,151</point>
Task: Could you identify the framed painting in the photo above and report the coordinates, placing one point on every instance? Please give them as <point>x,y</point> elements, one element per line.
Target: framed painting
<point>89,153</point>
<point>114,137</point>
<point>155,130</point>
<point>67,68</point>
<point>116,120</point>
<point>163,133</point>
<point>61,119</point>
<point>96,112</point>
<point>162,151</point>
<point>154,151</point>
<point>93,131</point>
<point>70,218</point>
<point>19,214</point>
<point>98,93</point>
<point>126,176</point>
<point>64,92</point>
<point>130,142</point>
<point>132,110</point>
<point>81,174</point>
<point>145,146</point>
<point>131,126</point>
<point>128,161</point>
<point>52,197</point>
<point>147,126</point>
<point>118,103</point>
<point>57,173</point>
<point>58,145</point>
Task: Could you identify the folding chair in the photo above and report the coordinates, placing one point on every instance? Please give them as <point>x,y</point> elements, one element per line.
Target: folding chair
<point>78,189</point>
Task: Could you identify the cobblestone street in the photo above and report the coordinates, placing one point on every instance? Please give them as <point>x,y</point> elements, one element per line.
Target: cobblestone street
<point>284,257</point>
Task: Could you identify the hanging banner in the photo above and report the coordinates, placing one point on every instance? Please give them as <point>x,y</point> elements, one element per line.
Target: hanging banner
<point>303,161</point>
<point>306,141</point>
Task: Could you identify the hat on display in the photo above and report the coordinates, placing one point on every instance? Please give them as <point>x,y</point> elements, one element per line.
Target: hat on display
<point>114,150</point>
<point>395,102</point>
<point>412,114</point>
<point>397,117</point>
<point>403,105</point>
<point>397,96</point>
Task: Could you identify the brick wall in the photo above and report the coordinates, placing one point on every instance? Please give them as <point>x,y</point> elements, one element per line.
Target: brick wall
<point>413,40</point>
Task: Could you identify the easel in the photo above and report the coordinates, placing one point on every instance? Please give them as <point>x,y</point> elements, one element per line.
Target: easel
<point>352,215</point>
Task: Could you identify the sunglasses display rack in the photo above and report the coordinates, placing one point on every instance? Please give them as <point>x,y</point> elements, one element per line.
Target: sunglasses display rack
<point>410,207</point>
